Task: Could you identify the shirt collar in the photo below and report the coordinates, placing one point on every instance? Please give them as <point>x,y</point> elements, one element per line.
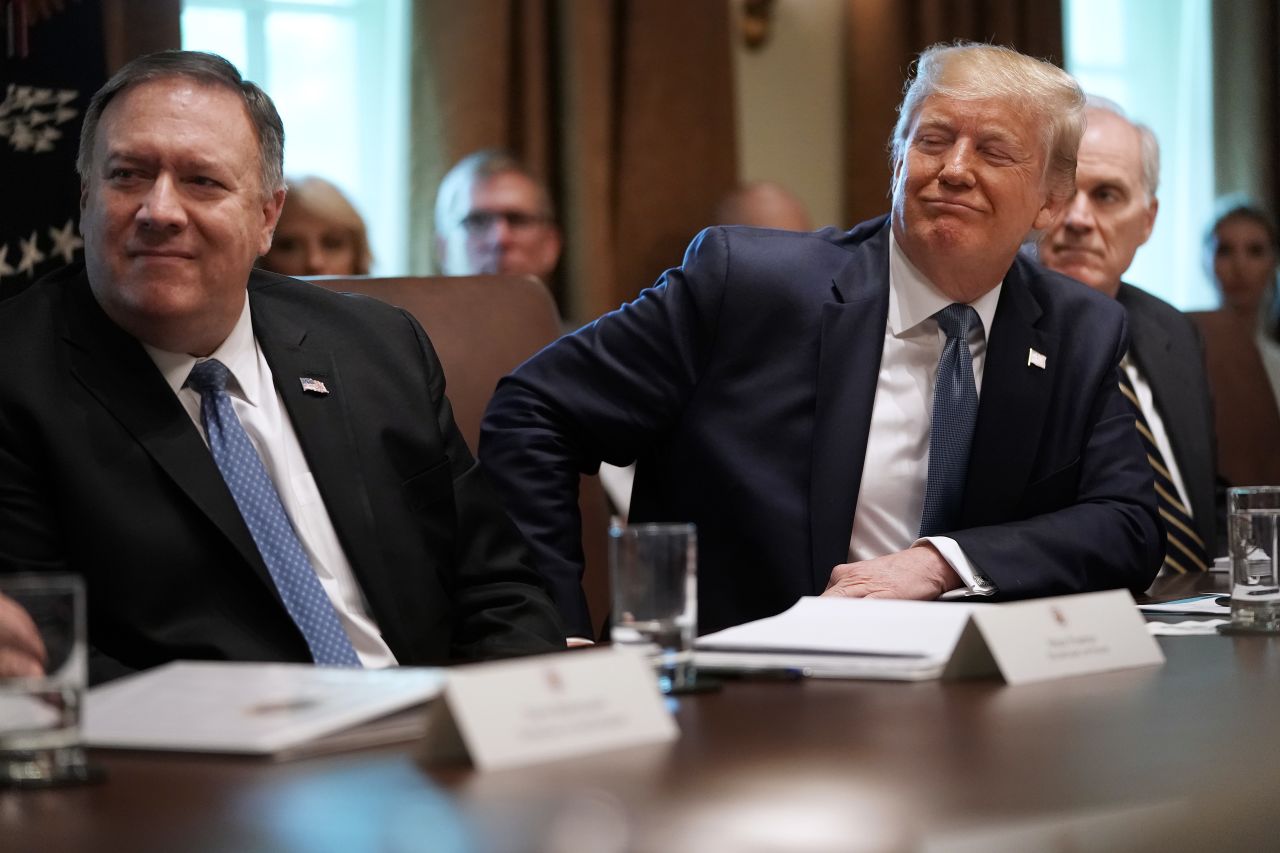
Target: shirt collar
<point>239,352</point>
<point>913,298</point>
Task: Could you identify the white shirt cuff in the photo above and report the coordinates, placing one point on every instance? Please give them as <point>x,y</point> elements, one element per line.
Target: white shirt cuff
<point>975,583</point>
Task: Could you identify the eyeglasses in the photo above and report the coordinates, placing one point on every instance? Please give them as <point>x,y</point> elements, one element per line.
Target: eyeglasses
<point>481,221</point>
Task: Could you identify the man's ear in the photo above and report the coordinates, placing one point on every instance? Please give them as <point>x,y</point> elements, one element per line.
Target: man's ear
<point>272,205</point>
<point>551,248</point>
<point>1049,213</point>
<point>442,250</point>
<point>1153,207</point>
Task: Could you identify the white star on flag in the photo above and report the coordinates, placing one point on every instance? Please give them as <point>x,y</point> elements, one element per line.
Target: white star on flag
<point>31,256</point>
<point>21,137</point>
<point>5,269</point>
<point>65,241</point>
<point>45,137</point>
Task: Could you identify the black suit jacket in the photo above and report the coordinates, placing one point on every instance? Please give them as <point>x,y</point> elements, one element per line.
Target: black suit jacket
<point>743,383</point>
<point>1167,348</point>
<point>103,473</point>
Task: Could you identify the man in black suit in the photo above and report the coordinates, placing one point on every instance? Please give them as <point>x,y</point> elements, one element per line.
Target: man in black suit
<point>1111,216</point>
<point>781,390</point>
<point>260,472</point>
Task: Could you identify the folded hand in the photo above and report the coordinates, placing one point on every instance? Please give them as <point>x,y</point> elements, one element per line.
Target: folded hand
<point>21,649</point>
<point>919,572</point>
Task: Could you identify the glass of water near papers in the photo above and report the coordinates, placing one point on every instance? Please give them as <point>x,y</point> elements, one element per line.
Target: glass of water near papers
<point>653,575</point>
<point>1253,533</point>
<point>40,742</point>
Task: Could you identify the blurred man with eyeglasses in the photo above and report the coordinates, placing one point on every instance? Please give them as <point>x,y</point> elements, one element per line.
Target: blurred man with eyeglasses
<point>493,217</point>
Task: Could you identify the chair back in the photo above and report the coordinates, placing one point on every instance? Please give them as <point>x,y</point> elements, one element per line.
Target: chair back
<point>482,327</point>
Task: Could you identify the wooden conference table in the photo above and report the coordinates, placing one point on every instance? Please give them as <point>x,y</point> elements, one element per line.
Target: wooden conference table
<point>1182,757</point>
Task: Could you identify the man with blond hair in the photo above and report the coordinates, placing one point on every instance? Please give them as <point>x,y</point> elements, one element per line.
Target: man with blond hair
<point>906,410</point>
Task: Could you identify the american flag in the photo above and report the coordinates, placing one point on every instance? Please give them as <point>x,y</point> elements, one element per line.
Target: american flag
<point>51,61</point>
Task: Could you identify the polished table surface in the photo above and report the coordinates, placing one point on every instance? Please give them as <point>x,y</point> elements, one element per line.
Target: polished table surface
<point>1167,757</point>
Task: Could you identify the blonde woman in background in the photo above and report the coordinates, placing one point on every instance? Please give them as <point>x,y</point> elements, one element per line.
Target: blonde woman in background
<point>320,233</point>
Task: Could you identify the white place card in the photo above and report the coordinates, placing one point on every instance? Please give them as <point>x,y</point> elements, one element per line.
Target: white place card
<point>1047,638</point>
<point>546,708</point>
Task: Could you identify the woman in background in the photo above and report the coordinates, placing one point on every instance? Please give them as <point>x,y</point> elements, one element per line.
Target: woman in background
<point>319,233</point>
<point>1242,345</point>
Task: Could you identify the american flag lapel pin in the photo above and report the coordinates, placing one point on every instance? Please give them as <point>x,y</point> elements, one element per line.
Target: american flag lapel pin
<point>1035,358</point>
<point>313,386</point>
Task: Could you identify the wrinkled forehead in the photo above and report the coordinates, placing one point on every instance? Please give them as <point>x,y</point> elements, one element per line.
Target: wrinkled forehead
<point>200,120</point>
<point>993,117</point>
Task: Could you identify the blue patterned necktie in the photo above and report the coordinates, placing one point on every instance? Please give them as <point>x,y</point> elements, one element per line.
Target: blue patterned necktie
<point>268,523</point>
<point>955,411</point>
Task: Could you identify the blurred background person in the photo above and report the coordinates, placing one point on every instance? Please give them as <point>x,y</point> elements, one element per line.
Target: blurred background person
<point>494,217</point>
<point>1242,343</point>
<point>1110,217</point>
<point>320,233</point>
<point>764,204</point>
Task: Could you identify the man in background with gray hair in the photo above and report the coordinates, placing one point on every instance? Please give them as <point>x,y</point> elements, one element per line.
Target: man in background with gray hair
<point>1111,216</point>
<point>494,217</point>
<point>904,410</point>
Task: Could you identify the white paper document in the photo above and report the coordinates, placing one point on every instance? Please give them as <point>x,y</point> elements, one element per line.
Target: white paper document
<point>259,708</point>
<point>1022,641</point>
<point>844,638</point>
<point>1191,628</point>
<point>1210,604</point>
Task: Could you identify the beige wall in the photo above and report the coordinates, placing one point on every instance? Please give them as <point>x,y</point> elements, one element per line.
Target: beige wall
<point>790,103</point>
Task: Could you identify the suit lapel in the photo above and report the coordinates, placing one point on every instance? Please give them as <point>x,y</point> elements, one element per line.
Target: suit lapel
<point>848,365</point>
<point>1152,349</point>
<point>1012,404</point>
<point>323,423</point>
<point>116,370</point>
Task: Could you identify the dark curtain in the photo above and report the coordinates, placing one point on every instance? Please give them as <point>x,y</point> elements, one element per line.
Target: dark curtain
<point>1246,99</point>
<point>885,36</point>
<point>624,108</point>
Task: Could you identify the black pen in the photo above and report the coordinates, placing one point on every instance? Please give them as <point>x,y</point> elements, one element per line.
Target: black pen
<point>734,673</point>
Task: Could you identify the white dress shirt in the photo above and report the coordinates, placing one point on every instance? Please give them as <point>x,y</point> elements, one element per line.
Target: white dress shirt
<point>1156,423</point>
<point>891,495</point>
<point>262,413</point>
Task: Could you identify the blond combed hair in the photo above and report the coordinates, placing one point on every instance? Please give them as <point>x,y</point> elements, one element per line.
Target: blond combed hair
<point>972,71</point>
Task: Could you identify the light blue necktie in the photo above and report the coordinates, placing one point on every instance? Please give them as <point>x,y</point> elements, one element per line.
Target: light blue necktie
<point>268,523</point>
<point>955,411</point>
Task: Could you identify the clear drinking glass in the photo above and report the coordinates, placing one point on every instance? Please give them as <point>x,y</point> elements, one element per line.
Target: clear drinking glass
<point>40,715</point>
<point>1253,531</point>
<point>653,574</point>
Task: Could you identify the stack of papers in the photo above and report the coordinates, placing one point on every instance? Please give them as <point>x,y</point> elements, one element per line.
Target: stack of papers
<point>1209,604</point>
<point>843,638</point>
<point>277,709</point>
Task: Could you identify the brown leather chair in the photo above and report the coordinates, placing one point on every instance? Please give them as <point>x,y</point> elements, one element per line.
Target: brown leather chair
<point>482,327</point>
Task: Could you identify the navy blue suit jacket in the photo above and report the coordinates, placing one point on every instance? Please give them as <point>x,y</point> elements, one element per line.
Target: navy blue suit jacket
<point>743,383</point>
